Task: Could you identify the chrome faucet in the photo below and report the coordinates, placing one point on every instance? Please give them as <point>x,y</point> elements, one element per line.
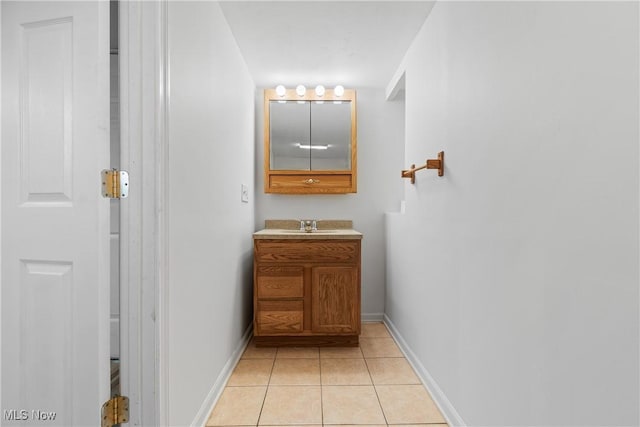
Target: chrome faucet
<point>308,225</point>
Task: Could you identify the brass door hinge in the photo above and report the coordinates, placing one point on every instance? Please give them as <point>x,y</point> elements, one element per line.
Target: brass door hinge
<point>115,184</point>
<point>115,411</point>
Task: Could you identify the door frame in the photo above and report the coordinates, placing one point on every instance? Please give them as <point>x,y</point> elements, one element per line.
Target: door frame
<point>144,97</point>
<point>1,201</point>
<point>143,54</point>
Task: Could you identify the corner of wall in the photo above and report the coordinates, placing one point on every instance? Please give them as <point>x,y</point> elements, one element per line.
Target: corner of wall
<point>246,67</point>
<point>396,85</point>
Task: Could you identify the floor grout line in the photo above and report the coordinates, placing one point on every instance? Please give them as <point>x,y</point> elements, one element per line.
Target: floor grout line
<point>375,390</point>
<point>264,399</point>
<point>321,390</point>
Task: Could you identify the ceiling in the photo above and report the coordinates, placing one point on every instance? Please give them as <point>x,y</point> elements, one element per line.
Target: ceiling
<point>353,43</point>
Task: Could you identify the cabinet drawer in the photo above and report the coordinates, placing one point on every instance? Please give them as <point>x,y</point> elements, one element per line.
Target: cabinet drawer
<point>310,183</point>
<point>280,282</point>
<point>279,317</point>
<point>307,251</point>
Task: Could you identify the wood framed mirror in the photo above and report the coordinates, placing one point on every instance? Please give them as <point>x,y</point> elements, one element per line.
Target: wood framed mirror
<point>310,143</point>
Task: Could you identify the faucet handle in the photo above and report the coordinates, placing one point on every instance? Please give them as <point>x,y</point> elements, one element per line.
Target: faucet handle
<point>301,225</point>
<point>314,225</point>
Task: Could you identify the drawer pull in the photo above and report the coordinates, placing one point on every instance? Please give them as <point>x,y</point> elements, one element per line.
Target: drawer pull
<point>311,181</point>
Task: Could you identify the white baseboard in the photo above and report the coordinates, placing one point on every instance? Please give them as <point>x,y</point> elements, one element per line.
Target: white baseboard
<point>210,401</point>
<point>372,317</point>
<point>444,405</point>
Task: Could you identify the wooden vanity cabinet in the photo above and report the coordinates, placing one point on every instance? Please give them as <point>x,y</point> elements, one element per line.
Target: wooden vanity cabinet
<point>306,292</point>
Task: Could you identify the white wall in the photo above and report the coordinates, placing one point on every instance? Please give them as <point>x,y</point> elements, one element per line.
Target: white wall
<point>380,151</point>
<point>514,278</point>
<point>211,132</point>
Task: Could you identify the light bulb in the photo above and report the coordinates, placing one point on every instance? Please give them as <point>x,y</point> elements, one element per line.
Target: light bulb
<point>280,90</point>
<point>339,90</point>
<point>301,90</point>
<point>320,90</point>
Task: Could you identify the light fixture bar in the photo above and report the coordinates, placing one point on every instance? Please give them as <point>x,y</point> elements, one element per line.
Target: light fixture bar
<point>319,93</point>
<point>313,147</point>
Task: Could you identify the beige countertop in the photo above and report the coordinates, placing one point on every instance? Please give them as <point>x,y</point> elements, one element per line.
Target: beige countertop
<point>290,229</point>
<point>279,233</point>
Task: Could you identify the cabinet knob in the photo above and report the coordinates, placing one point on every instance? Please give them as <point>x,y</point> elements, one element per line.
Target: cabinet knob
<point>311,181</point>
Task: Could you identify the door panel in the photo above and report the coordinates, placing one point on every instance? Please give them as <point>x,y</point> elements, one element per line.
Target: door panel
<point>46,320</point>
<point>55,224</point>
<point>46,54</point>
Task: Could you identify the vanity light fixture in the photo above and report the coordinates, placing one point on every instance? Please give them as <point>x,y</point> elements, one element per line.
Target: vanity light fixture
<point>301,91</point>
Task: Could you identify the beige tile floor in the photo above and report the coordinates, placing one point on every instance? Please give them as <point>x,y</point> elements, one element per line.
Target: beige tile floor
<point>371,385</point>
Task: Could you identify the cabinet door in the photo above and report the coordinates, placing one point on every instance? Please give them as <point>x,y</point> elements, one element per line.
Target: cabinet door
<point>335,300</point>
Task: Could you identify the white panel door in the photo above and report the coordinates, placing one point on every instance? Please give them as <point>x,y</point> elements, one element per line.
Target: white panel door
<point>55,224</point>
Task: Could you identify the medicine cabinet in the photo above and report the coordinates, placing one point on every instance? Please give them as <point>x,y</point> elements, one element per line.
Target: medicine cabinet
<point>310,142</point>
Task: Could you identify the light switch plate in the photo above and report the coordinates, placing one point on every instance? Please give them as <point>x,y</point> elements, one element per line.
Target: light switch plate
<point>245,193</point>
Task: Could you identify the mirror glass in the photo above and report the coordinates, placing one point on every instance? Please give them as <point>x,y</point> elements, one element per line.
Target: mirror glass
<point>330,135</point>
<point>289,125</point>
<point>310,135</point>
